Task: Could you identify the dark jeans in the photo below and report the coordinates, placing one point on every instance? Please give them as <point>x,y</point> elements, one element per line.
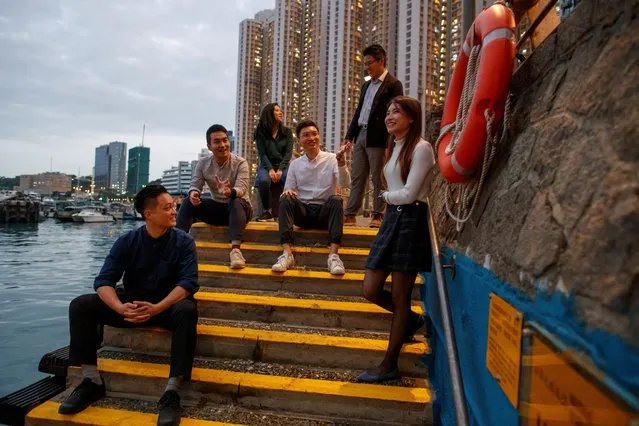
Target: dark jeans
<point>329,215</point>
<point>235,215</point>
<point>270,192</point>
<point>88,311</point>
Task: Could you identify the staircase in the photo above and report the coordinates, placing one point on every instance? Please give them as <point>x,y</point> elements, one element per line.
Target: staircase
<point>273,349</point>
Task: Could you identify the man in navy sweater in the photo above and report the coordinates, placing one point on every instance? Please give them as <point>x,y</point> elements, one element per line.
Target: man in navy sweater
<point>159,265</point>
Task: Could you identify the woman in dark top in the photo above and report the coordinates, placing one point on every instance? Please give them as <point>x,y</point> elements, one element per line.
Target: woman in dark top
<point>274,144</point>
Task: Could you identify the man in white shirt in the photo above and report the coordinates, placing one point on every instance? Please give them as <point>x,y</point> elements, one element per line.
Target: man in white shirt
<point>309,199</point>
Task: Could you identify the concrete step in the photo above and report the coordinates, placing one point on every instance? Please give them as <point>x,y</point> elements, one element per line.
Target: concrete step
<point>294,280</point>
<point>267,233</point>
<point>301,347</point>
<point>405,405</point>
<point>47,415</point>
<point>266,254</point>
<point>295,311</point>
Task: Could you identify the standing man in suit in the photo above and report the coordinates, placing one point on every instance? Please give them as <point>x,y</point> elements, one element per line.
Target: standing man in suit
<point>367,134</point>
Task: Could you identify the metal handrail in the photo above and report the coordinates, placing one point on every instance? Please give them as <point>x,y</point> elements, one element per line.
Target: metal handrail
<point>459,398</point>
<point>534,24</point>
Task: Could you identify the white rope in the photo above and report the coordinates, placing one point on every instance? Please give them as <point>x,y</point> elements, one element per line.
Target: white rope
<point>468,194</point>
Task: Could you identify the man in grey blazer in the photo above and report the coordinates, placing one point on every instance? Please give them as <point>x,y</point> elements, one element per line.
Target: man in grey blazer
<point>367,134</point>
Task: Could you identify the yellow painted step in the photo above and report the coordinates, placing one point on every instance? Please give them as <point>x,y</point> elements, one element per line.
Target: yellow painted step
<point>278,249</point>
<point>269,336</point>
<point>311,304</point>
<point>291,274</point>
<point>239,380</point>
<point>267,233</point>
<point>273,226</point>
<point>48,413</point>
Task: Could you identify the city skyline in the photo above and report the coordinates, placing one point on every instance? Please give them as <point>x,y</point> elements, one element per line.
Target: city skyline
<point>307,56</point>
<point>70,82</point>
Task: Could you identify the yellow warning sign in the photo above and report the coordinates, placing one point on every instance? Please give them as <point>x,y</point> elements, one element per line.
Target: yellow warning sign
<point>503,351</point>
<point>562,395</point>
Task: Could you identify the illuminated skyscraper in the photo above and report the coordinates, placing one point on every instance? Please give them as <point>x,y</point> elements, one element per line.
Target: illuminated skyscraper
<point>249,87</point>
<point>310,96</point>
<point>342,67</point>
<point>287,59</point>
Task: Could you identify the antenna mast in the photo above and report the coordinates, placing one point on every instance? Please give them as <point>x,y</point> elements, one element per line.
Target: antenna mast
<point>143,130</point>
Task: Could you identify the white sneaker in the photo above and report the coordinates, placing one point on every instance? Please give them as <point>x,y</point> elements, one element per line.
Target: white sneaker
<point>237,260</point>
<point>335,265</point>
<point>284,262</point>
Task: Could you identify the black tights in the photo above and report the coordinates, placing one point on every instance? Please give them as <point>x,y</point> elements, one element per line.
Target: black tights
<point>397,301</point>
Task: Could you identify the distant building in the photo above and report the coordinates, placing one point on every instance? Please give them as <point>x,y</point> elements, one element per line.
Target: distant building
<point>231,139</point>
<point>45,183</point>
<point>81,183</point>
<point>102,167</point>
<point>178,178</point>
<point>138,170</point>
<point>110,167</point>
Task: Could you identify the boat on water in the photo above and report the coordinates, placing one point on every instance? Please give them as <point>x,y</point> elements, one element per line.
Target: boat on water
<point>66,214</point>
<point>92,216</point>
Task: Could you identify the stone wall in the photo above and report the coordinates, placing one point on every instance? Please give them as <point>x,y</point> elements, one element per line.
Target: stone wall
<point>560,208</point>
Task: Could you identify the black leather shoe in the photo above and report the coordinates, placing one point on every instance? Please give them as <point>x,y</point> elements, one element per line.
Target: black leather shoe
<point>84,395</point>
<point>170,411</point>
<point>264,217</point>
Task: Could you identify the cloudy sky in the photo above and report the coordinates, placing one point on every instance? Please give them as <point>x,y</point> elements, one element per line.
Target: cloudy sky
<point>75,74</point>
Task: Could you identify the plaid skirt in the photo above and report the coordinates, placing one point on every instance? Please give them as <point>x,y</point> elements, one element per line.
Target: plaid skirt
<point>403,242</point>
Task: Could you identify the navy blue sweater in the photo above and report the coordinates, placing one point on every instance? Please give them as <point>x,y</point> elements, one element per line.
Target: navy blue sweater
<point>152,267</point>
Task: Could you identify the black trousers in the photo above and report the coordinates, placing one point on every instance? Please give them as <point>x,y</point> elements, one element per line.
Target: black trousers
<point>88,311</point>
<point>329,215</point>
<point>235,214</point>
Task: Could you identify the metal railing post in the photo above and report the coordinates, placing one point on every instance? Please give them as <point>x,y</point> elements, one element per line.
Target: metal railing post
<point>459,398</point>
<point>468,16</point>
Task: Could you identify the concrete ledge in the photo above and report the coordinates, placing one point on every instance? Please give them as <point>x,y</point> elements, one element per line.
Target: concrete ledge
<point>296,280</point>
<point>403,405</point>
<point>273,346</point>
<point>267,233</point>
<point>47,414</point>
<point>307,312</point>
<point>266,254</point>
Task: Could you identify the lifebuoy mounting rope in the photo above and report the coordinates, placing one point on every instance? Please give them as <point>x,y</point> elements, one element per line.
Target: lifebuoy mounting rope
<point>466,195</point>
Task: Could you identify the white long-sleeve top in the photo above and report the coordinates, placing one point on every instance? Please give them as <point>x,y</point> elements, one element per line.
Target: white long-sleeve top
<point>416,187</point>
<point>315,181</point>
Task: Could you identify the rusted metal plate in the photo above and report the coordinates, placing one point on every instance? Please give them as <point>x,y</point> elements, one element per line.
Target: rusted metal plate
<point>503,351</point>
<point>562,392</point>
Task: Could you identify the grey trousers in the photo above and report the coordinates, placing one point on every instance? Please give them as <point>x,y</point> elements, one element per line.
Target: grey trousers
<point>365,160</point>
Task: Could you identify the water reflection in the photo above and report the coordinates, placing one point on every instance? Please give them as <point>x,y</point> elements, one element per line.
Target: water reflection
<point>43,267</point>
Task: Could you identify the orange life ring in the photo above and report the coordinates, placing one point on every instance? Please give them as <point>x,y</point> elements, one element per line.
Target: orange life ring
<point>494,29</point>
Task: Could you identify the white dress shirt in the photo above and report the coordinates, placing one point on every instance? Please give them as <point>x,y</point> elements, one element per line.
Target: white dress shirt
<point>371,91</point>
<point>416,186</point>
<point>315,181</point>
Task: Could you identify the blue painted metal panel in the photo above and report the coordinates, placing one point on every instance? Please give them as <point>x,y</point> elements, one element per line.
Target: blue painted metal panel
<point>469,299</point>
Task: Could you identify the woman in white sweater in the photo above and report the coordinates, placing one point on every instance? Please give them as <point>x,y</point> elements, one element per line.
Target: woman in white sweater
<point>402,246</point>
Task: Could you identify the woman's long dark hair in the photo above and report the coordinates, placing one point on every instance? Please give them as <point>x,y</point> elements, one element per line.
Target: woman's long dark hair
<point>267,122</point>
<point>413,110</point>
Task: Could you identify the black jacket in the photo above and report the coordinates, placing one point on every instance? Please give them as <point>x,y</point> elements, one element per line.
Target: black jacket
<point>376,135</point>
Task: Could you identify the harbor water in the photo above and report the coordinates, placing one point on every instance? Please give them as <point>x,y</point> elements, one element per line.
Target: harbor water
<point>42,268</point>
